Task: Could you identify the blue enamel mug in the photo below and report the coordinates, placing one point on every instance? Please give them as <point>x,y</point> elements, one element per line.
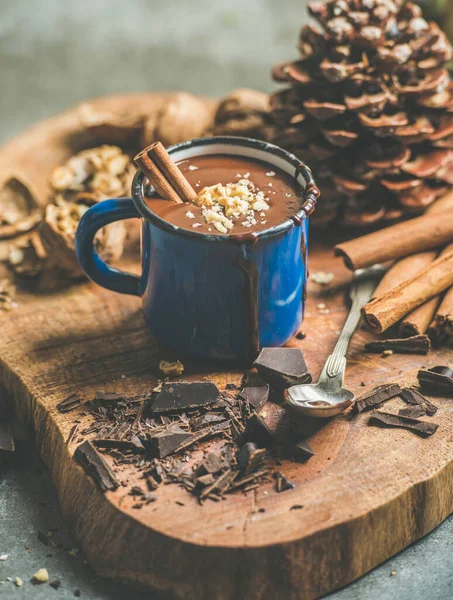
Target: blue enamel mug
<point>212,296</point>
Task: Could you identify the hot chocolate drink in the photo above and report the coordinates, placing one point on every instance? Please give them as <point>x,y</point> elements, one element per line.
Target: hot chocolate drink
<point>234,196</point>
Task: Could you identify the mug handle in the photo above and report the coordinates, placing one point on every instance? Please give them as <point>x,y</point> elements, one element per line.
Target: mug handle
<point>96,217</point>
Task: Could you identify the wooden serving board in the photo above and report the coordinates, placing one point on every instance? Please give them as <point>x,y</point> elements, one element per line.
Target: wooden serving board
<point>366,494</point>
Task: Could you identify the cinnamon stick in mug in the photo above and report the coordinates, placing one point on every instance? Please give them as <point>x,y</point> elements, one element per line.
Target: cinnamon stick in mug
<point>387,310</point>
<point>422,233</point>
<point>164,174</point>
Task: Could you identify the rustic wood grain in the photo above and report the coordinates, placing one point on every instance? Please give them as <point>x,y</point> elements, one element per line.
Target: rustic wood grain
<point>365,495</point>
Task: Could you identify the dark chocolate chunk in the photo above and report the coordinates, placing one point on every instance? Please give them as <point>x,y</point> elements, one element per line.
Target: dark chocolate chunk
<point>282,367</point>
<point>422,428</point>
<point>69,403</point>
<point>250,458</point>
<point>96,466</point>
<point>376,397</point>
<point>413,411</point>
<point>212,463</point>
<point>257,431</point>
<point>182,395</point>
<point>302,450</point>
<point>257,396</point>
<point>301,335</point>
<point>437,381</point>
<point>252,379</point>
<point>165,443</point>
<point>414,398</point>
<point>417,344</point>
<point>205,480</point>
<point>6,437</point>
<point>282,483</point>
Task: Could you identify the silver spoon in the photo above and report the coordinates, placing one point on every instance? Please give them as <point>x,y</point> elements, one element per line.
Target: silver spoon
<point>328,397</point>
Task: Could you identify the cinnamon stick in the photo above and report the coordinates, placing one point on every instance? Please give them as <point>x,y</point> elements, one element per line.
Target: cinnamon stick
<point>441,325</point>
<point>417,321</point>
<point>422,233</point>
<point>387,310</point>
<point>164,174</point>
<point>402,270</point>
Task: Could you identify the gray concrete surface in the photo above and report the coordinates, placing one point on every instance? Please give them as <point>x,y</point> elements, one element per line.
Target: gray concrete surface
<point>54,54</point>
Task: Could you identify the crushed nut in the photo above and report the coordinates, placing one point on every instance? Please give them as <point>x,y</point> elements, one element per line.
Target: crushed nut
<point>18,582</point>
<point>171,369</point>
<point>41,576</point>
<point>322,278</point>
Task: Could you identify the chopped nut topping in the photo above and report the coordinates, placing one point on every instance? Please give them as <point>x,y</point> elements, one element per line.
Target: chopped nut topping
<point>222,204</point>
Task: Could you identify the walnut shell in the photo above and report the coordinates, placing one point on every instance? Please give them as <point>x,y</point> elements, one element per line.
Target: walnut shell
<point>109,128</point>
<point>27,256</point>
<point>58,229</point>
<point>19,209</point>
<point>243,112</point>
<point>183,118</point>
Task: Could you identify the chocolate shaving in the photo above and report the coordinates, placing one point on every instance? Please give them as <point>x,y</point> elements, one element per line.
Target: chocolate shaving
<point>422,428</point>
<point>417,344</point>
<point>69,403</point>
<point>282,367</point>
<point>182,395</point>
<point>250,458</point>
<point>282,483</point>
<point>101,396</point>
<point>203,435</point>
<point>96,466</point>
<point>414,398</point>
<point>257,396</point>
<point>437,381</point>
<point>376,397</point>
<point>413,411</point>
<point>121,445</point>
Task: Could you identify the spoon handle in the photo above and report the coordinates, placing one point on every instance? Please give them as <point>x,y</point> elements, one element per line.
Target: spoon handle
<point>362,288</point>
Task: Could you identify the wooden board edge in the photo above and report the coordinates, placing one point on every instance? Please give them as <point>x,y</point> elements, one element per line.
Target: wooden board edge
<point>183,570</point>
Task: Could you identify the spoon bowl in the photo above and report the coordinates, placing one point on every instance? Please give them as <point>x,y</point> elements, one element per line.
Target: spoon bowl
<point>314,400</point>
<point>328,397</point>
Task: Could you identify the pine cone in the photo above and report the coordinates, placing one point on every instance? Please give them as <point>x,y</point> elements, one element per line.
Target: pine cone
<point>370,108</point>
